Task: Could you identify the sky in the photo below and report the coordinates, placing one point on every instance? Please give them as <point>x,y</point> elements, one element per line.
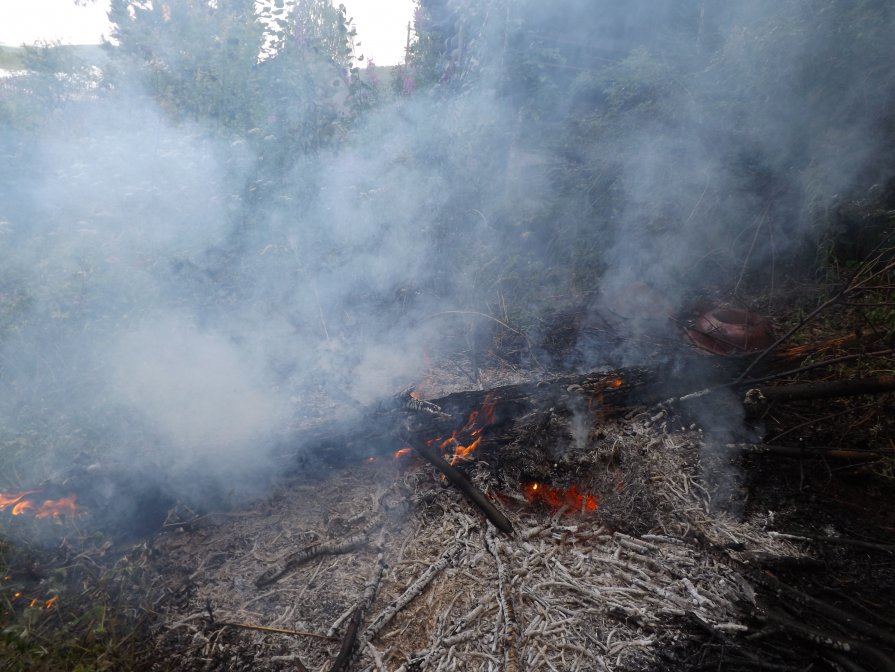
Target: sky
<point>381,24</point>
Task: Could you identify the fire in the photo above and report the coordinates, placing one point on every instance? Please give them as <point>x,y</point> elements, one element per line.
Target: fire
<point>462,442</point>
<point>556,497</point>
<point>35,602</point>
<point>21,507</point>
<point>22,502</point>
<point>53,508</point>
<point>7,499</point>
<point>476,422</point>
<point>614,384</point>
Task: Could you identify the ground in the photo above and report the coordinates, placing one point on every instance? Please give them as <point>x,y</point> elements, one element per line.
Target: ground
<point>699,555</point>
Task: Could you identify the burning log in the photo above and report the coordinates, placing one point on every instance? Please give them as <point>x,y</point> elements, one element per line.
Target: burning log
<point>377,430</point>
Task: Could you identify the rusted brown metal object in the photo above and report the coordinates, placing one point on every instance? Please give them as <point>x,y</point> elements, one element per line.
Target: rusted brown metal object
<point>731,331</point>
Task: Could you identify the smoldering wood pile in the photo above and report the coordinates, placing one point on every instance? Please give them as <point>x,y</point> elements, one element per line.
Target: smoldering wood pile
<point>382,565</point>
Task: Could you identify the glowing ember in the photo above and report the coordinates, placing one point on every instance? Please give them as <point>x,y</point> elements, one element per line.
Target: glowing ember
<point>556,497</point>
<point>401,452</point>
<point>614,384</point>
<point>21,502</point>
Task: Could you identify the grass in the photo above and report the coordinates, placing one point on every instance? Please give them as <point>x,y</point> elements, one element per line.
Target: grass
<point>60,611</point>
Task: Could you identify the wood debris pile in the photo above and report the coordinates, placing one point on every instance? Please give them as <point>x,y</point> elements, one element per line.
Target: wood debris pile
<point>388,564</point>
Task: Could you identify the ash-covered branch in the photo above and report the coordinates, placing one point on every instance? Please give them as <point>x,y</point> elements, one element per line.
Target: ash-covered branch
<point>411,592</point>
<point>295,560</point>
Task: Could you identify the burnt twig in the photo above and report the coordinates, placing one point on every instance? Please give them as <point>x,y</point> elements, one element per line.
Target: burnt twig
<point>348,642</point>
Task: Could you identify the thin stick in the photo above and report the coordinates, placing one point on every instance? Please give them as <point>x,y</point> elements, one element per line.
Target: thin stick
<point>298,558</point>
<point>281,631</point>
<point>799,452</point>
<point>751,248</point>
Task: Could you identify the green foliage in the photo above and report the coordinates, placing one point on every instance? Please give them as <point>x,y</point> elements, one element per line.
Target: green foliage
<point>51,76</point>
<point>278,76</point>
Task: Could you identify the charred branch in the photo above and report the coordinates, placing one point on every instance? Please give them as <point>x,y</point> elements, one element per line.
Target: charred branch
<point>348,642</point>
<point>805,452</point>
<point>826,389</point>
<point>464,485</point>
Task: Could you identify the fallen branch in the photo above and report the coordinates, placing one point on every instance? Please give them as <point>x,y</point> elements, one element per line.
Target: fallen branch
<point>346,651</point>
<point>510,627</point>
<point>347,648</point>
<point>804,452</point>
<point>412,591</point>
<point>281,631</point>
<point>298,558</point>
<point>463,484</point>
<point>826,389</point>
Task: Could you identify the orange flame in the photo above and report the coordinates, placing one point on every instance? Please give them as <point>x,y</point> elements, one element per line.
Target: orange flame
<point>462,450</point>
<point>21,507</point>
<point>53,508</point>
<point>556,497</point>
<point>50,508</point>
<point>7,499</point>
<point>462,442</point>
<point>614,384</point>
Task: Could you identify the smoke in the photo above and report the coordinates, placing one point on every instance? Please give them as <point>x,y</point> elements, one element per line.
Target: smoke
<point>158,312</point>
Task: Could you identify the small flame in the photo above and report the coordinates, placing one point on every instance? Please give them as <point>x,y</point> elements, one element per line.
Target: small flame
<point>463,452</point>
<point>21,507</point>
<point>7,499</point>
<point>53,508</point>
<point>51,602</point>
<point>614,384</point>
<point>462,442</point>
<point>463,449</point>
<point>557,497</point>
<point>21,502</point>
